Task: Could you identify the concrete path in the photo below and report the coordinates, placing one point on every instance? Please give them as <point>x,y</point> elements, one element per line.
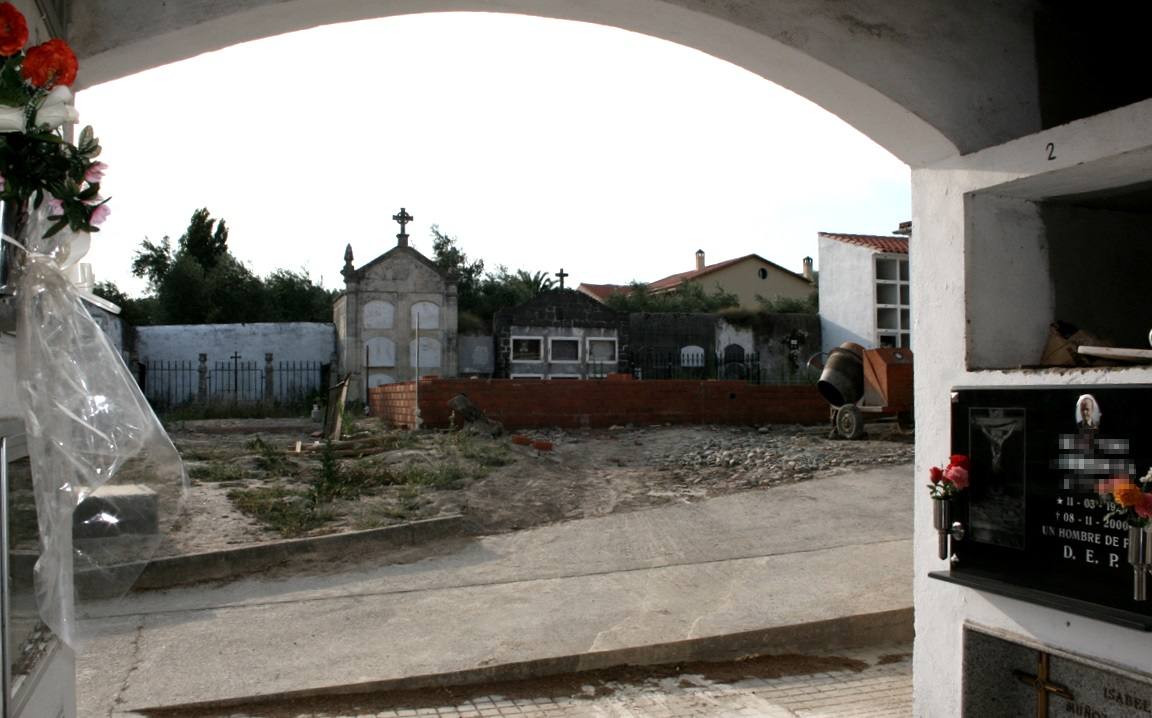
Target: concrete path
<point>822,562</point>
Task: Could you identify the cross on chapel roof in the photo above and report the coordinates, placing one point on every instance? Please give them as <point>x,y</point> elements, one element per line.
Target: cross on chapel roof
<point>403,218</point>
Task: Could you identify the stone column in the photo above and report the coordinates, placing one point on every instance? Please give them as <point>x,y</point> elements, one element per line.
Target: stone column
<point>202,384</point>
<point>269,379</point>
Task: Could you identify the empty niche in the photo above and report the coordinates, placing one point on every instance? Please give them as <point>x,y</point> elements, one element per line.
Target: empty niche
<point>381,352</point>
<point>429,351</point>
<point>379,314</point>
<point>426,315</point>
<point>1038,257</point>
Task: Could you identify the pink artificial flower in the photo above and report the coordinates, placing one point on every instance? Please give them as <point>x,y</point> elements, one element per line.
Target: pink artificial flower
<point>935,474</point>
<point>54,207</point>
<point>100,213</point>
<point>95,173</point>
<point>3,183</point>
<point>957,475</point>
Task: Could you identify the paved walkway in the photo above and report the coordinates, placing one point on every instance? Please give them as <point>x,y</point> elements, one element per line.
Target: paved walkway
<point>876,683</point>
<point>823,563</point>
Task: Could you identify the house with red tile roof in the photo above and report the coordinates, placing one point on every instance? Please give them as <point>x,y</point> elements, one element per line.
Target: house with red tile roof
<point>747,277</point>
<point>864,289</point>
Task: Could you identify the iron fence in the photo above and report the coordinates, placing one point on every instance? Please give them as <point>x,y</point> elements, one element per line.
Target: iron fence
<point>699,364</point>
<point>172,384</point>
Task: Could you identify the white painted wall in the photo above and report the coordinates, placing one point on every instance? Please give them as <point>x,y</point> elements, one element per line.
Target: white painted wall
<point>847,294</point>
<point>965,284</point>
<point>297,341</point>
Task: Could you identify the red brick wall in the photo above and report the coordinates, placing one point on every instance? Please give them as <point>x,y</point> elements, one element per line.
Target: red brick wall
<point>521,403</point>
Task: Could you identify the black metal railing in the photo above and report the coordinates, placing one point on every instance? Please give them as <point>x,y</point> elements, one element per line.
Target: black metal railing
<point>172,384</point>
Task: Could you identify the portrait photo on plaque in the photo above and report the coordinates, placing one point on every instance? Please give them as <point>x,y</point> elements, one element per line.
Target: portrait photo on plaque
<point>998,455</point>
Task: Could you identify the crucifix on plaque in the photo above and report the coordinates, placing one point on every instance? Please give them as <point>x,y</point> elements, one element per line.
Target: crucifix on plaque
<point>403,218</point>
<point>1040,683</point>
<point>562,274</point>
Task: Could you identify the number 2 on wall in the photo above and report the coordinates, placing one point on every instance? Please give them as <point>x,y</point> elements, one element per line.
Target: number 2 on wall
<point>1051,149</point>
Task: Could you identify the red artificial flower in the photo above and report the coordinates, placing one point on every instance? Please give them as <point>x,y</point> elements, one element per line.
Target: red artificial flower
<point>936,474</point>
<point>13,30</point>
<point>959,460</point>
<point>1144,507</point>
<point>50,64</point>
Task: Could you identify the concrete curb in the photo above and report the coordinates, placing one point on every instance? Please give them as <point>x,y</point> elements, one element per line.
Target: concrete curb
<point>846,632</point>
<point>170,571</point>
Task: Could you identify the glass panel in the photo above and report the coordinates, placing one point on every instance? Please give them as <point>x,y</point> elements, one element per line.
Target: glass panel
<point>27,635</point>
<point>904,269</point>
<point>887,319</point>
<point>905,340</point>
<point>887,294</point>
<point>905,295</point>
<point>601,350</point>
<point>527,349</point>
<point>564,350</point>
<point>886,269</point>
<point>887,340</point>
<point>905,320</point>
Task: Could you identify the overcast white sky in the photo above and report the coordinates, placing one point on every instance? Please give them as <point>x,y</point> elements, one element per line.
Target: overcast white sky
<point>540,144</point>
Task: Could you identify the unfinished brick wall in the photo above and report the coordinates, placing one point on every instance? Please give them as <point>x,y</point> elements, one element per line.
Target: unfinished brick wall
<point>523,403</point>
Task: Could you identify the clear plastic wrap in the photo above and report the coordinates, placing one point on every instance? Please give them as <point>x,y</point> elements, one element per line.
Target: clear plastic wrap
<point>108,481</point>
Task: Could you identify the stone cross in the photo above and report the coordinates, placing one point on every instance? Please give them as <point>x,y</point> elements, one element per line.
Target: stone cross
<point>403,218</point>
<point>561,274</point>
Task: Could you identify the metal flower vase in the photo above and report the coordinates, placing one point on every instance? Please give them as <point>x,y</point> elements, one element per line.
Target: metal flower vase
<point>1140,556</point>
<point>947,530</point>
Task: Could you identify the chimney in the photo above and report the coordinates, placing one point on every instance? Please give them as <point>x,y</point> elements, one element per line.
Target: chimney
<point>699,259</point>
<point>905,229</point>
<point>808,269</point>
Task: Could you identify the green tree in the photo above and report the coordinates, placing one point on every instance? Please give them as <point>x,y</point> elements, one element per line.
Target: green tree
<point>182,296</point>
<point>688,298</point>
<point>136,312</point>
<point>292,297</point>
<point>453,261</point>
<point>205,240</point>
<point>153,261</point>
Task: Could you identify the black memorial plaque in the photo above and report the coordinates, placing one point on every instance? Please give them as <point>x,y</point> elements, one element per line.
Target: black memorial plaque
<point>1035,522</point>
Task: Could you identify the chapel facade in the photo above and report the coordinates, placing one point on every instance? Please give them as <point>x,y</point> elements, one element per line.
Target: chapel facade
<point>396,319</point>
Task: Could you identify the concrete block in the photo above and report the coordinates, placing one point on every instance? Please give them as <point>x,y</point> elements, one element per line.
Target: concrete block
<point>115,511</point>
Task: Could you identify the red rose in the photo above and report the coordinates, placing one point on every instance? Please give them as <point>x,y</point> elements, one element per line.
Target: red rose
<point>936,474</point>
<point>959,460</point>
<point>49,64</point>
<point>1144,506</point>
<point>13,30</point>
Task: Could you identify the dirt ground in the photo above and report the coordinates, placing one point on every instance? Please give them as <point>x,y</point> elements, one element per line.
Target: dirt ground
<point>249,484</point>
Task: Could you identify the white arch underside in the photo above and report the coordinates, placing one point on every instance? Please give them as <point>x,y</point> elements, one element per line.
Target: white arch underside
<point>180,32</point>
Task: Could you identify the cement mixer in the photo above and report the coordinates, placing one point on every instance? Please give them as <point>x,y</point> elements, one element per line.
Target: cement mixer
<point>871,383</point>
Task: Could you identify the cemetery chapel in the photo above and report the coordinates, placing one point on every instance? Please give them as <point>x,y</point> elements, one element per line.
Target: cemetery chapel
<point>396,318</point>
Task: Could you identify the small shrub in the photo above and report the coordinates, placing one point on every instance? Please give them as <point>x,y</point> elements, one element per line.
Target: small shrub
<point>289,512</point>
<point>438,476</point>
<point>270,459</point>
<point>217,472</point>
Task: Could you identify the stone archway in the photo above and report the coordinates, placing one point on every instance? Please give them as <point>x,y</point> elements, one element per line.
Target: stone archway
<point>917,80</point>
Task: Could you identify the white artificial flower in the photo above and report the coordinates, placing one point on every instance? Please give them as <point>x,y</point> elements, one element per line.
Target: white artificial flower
<point>56,109</point>
<point>11,119</point>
